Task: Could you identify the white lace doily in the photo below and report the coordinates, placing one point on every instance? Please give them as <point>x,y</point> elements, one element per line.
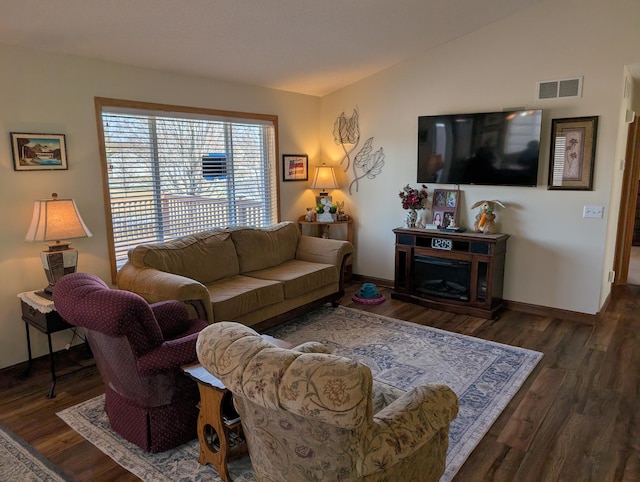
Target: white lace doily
<point>43,305</point>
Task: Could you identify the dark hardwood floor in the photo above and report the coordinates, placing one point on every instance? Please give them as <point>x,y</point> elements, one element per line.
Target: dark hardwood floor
<point>577,417</point>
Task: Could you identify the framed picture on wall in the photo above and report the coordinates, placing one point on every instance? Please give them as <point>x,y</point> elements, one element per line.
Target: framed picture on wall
<point>295,167</point>
<point>573,153</point>
<point>38,152</point>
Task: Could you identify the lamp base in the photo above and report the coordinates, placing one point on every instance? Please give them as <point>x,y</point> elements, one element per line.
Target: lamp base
<point>46,294</point>
<point>56,264</point>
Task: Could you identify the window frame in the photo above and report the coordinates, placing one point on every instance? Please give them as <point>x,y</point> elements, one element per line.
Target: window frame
<point>103,102</point>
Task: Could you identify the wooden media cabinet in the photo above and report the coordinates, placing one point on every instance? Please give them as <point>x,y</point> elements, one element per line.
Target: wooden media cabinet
<point>449,271</point>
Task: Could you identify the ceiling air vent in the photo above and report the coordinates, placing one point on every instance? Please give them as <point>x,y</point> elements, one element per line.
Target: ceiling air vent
<point>560,88</point>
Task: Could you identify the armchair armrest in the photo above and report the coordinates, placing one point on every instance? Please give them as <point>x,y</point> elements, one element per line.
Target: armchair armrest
<point>172,317</point>
<point>406,425</point>
<point>312,347</point>
<point>170,310</point>
<point>171,354</point>
<point>155,285</point>
<point>321,250</point>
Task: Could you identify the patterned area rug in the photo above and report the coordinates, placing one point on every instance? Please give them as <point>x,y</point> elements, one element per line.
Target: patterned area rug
<point>485,376</point>
<point>19,461</point>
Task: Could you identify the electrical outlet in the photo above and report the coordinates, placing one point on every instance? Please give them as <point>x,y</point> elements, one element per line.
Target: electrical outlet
<point>592,211</point>
<point>612,276</point>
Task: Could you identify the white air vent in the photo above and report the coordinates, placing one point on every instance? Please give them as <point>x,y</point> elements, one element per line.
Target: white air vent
<point>560,88</point>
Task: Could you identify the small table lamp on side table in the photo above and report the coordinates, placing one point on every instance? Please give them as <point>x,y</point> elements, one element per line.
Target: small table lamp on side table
<point>53,220</point>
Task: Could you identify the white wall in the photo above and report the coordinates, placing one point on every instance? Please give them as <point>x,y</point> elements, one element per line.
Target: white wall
<point>44,93</point>
<point>555,257</point>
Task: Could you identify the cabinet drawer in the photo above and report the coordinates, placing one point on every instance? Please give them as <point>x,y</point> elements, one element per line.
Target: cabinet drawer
<point>45,322</point>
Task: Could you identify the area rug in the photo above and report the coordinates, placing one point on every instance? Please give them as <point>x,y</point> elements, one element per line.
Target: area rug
<point>19,461</point>
<point>485,375</point>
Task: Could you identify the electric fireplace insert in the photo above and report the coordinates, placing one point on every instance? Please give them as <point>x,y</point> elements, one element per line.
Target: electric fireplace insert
<point>444,278</point>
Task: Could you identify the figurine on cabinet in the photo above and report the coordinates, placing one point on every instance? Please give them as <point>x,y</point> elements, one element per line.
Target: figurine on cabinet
<point>310,215</point>
<point>485,219</point>
<point>340,215</point>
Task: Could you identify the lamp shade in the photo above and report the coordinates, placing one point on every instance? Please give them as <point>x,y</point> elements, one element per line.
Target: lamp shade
<point>324,178</point>
<point>56,219</point>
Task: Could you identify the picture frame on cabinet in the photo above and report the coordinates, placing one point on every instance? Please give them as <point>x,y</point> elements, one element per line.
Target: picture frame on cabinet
<point>444,207</point>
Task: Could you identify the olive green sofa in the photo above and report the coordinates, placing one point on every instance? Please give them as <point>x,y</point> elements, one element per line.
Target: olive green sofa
<point>255,276</point>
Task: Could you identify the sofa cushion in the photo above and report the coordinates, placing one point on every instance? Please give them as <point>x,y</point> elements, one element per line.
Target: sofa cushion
<point>265,247</point>
<point>205,257</point>
<point>299,277</point>
<point>238,295</point>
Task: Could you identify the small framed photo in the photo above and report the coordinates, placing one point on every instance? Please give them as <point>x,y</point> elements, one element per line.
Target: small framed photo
<point>38,152</point>
<point>437,218</point>
<point>573,153</point>
<point>295,167</point>
<point>449,219</point>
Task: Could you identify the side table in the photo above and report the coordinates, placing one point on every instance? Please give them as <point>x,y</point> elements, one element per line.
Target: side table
<point>219,427</point>
<point>40,313</point>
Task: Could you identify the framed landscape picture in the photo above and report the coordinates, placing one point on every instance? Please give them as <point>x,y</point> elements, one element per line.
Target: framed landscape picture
<point>38,152</point>
<point>295,167</point>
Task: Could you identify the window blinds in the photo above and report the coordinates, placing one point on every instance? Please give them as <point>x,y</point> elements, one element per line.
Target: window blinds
<point>157,188</point>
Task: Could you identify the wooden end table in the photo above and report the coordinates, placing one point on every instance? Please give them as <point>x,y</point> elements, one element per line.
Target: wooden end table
<point>219,428</point>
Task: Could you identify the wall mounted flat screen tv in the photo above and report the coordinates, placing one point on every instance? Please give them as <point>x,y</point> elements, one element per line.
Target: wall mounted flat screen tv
<point>494,148</point>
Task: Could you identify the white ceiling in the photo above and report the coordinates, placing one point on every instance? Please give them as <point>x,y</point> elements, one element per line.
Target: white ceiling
<point>306,46</point>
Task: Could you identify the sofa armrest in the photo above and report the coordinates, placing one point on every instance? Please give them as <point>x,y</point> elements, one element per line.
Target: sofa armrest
<point>155,285</point>
<point>321,250</point>
<point>406,425</point>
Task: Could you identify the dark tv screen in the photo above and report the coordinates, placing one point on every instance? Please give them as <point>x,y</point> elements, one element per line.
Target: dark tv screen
<point>494,148</point>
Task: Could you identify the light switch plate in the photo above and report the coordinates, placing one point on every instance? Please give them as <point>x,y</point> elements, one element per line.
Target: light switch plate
<point>592,211</point>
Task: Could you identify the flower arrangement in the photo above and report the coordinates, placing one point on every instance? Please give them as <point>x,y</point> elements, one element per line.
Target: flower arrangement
<point>413,198</point>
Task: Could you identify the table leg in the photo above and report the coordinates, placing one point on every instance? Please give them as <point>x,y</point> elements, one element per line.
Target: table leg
<point>52,391</point>
<point>27,372</point>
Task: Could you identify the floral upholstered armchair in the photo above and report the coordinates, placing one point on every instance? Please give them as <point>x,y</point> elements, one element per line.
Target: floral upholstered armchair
<point>311,416</point>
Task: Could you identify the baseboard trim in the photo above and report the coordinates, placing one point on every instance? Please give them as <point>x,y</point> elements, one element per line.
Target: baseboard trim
<point>512,305</point>
<point>385,283</point>
<point>551,312</point>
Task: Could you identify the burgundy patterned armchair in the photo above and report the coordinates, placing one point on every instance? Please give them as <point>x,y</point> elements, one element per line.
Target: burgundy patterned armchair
<point>138,349</point>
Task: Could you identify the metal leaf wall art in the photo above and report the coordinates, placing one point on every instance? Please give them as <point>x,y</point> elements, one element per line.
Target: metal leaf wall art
<point>366,163</point>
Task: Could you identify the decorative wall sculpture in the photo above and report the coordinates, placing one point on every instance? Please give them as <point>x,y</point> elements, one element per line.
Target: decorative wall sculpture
<point>366,163</point>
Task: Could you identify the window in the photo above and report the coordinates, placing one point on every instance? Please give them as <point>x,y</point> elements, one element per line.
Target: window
<point>172,171</point>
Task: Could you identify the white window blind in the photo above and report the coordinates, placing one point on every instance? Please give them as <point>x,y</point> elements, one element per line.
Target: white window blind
<point>158,189</point>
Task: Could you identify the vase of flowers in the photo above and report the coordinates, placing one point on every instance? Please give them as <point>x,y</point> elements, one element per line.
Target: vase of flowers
<point>412,200</point>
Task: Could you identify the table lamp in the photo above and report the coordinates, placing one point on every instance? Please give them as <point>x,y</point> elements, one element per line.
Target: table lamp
<point>324,179</point>
<point>54,220</point>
